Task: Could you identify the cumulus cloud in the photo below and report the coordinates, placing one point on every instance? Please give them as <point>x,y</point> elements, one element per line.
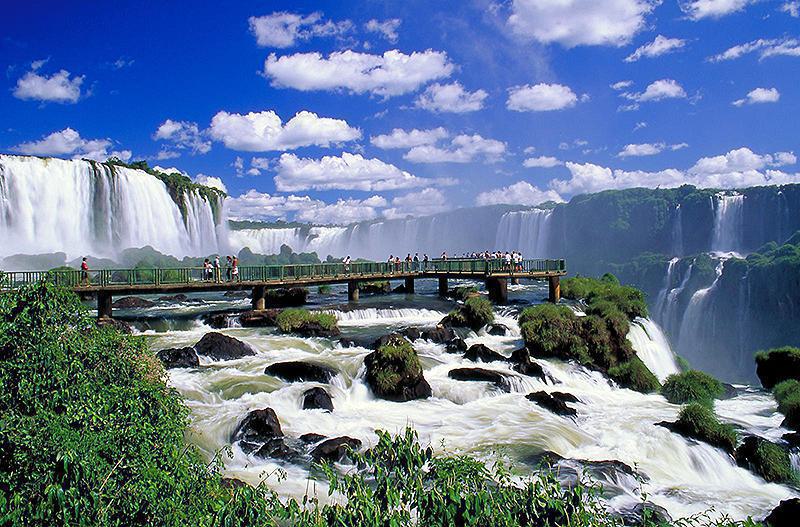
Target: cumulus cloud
<point>462,149</point>
<point>210,181</point>
<point>656,91</point>
<point>621,85</point>
<point>580,22</point>
<point>660,46</point>
<point>648,149</point>
<point>399,138</point>
<point>541,162</point>
<point>264,131</point>
<point>451,98</point>
<point>386,28</point>
<point>68,142</point>
<point>184,135</point>
<point>284,30</point>
<point>348,172</point>
<point>423,203</point>
<point>387,75</point>
<point>700,9</point>
<point>59,87</point>
<point>759,96</point>
<point>260,206</point>
<point>520,193</point>
<point>343,211</point>
<point>770,47</point>
<point>791,8</point>
<point>540,98</point>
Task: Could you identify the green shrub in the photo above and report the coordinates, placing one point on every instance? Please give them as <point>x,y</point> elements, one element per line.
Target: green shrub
<point>292,319</point>
<point>393,363</point>
<point>768,460</point>
<point>634,374</point>
<point>692,386</point>
<point>776,365</point>
<point>553,331</point>
<point>699,422</point>
<point>324,290</point>
<point>628,300</point>
<point>478,312</point>
<point>787,394</point>
<point>463,292</point>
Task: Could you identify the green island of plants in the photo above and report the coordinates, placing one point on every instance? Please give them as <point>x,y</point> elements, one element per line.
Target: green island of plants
<point>692,386</point>
<point>290,320</point>
<point>699,422</point>
<point>787,394</point>
<point>474,314</point>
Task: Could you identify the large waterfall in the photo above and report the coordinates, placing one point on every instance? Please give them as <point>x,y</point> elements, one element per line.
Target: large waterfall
<point>87,208</point>
<point>527,231</point>
<point>728,223</point>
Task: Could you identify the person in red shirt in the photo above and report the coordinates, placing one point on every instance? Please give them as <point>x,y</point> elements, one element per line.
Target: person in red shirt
<point>84,272</point>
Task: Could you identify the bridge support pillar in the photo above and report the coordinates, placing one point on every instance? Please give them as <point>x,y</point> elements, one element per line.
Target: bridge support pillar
<point>498,290</point>
<point>352,291</point>
<point>443,286</point>
<point>259,298</point>
<point>409,286</point>
<point>554,284</point>
<point>104,305</point>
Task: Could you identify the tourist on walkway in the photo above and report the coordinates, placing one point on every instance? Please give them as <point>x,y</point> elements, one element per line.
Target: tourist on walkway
<point>425,260</point>
<point>228,262</point>
<point>347,264</point>
<point>235,269</point>
<point>416,262</point>
<point>84,272</point>
<point>217,275</point>
<point>207,269</point>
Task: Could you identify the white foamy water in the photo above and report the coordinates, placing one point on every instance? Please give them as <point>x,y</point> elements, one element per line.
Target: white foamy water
<point>408,316</point>
<point>653,348</point>
<point>728,223</point>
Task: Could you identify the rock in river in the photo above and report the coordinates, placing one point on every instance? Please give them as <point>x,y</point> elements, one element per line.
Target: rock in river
<point>299,371</point>
<point>222,347</point>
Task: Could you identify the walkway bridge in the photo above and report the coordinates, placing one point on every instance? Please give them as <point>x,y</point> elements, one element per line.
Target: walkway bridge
<point>107,283</point>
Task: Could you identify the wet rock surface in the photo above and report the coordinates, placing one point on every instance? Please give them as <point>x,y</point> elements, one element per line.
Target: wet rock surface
<point>178,357</point>
<point>480,352</point>
<point>299,371</point>
<point>222,347</point>
<point>132,302</point>
<point>552,403</point>
<point>317,398</point>
<point>335,449</point>
<point>481,374</point>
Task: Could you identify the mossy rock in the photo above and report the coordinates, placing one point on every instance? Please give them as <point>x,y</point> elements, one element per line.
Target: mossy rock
<point>699,422</point>
<point>692,386</point>
<point>394,371</point>
<point>778,365</point>
<point>768,460</point>
<point>592,291</point>
<point>306,323</point>
<point>474,314</point>
<point>635,376</point>
<point>787,394</point>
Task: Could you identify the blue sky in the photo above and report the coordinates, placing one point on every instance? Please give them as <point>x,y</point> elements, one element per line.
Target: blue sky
<point>512,102</point>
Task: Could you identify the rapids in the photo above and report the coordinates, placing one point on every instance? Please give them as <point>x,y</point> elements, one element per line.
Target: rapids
<point>684,476</point>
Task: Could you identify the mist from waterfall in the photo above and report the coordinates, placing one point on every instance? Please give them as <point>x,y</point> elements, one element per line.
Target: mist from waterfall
<point>527,231</point>
<point>81,208</point>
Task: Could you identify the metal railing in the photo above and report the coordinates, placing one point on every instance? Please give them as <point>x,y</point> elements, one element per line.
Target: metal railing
<point>155,277</point>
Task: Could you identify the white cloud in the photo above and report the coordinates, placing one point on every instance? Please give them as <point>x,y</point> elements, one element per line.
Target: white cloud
<point>348,172</point>
<point>387,28</point>
<point>462,149</point>
<point>699,9</point>
<point>450,98</point>
<point>660,46</point>
<point>580,22</point>
<point>789,47</point>
<point>387,75</point>
<point>540,98</point>
<point>399,138</point>
<point>541,162</point>
<point>759,96</point>
<point>183,135</point>
<point>520,193</point>
<point>69,142</point>
<point>284,30</point>
<point>648,149</point>
<point>423,203</point>
<point>741,160</point>
<point>640,125</point>
<point>264,131</point>
<point>256,205</point>
<point>791,8</point>
<point>211,181</point>
<point>343,212</point>
<point>621,85</point>
<point>657,91</point>
<point>58,87</point>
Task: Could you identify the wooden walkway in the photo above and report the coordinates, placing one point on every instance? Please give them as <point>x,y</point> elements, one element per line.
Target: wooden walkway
<point>106,283</point>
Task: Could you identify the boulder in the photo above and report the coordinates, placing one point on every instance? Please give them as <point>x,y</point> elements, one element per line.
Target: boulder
<point>456,345</point>
<point>311,438</point>
<point>548,402</point>
<point>400,289</point>
<point>179,357</point>
<point>777,365</point>
<point>607,469</point>
<point>312,328</point>
<point>299,371</point>
<point>278,448</point>
<point>233,483</point>
<point>346,342</point>
<point>785,514</point>
<point>479,352</point>
<point>386,339</point>
<point>119,325</point>
<point>258,319</point>
<point>792,438</point>
<point>480,374</point>
<point>439,334</point>
<point>291,297</point>
<point>335,449</point>
<point>237,294</point>
<point>524,364</point>
<point>180,297</point>
<point>498,330</point>
<point>256,429</point>
<point>129,302</point>
<point>218,320</point>
<point>375,288</point>
<point>394,372</point>
<point>767,459</point>
<point>317,398</point>
<point>222,347</point>
<point>411,334</point>
<point>564,397</point>
<point>645,513</point>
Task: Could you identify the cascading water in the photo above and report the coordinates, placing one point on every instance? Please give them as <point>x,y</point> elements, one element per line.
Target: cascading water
<point>527,231</point>
<point>677,231</point>
<point>692,324</point>
<point>653,348</point>
<point>728,223</point>
<point>666,310</point>
<point>81,207</point>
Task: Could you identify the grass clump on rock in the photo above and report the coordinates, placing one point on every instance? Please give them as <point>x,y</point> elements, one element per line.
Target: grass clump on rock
<point>394,371</point>
<point>787,393</point>
<point>776,365</point>
<point>303,321</point>
<point>593,291</point>
<point>692,386</point>
<point>474,314</point>
<point>768,460</point>
<point>634,374</point>
<point>699,422</point>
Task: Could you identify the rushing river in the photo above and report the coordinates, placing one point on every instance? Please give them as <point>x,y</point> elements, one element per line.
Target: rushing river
<point>684,476</point>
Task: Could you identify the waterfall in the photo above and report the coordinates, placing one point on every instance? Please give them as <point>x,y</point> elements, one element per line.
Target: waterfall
<point>86,208</point>
<point>267,241</point>
<point>661,299</point>
<point>667,312</point>
<point>653,348</point>
<point>527,231</point>
<point>728,222</point>
<point>690,333</point>
<point>677,232</point>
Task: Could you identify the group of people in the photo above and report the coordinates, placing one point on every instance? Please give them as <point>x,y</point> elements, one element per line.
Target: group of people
<point>213,270</point>
<point>511,259</point>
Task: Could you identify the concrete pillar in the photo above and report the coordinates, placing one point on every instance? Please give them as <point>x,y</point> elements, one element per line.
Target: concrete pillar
<point>409,286</point>
<point>442,286</point>
<point>555,289</point>
<point>352,291</point>
<point>259,298</point>
<point>104,305</point>
<point>498,290</point>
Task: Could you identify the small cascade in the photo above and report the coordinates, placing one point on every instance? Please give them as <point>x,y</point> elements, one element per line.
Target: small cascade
<point>728,223</point>
<point>691,328</point>
<point>387,316</point>
<point>661,299</point>
<point>667,313</point>
<point>653,348</point>
<point>677,231</point>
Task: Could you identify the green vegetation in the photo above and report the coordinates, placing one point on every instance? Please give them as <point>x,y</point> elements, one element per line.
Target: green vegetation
<point>768,460</point>
<point>778,365</point>
<point>395,359</point>
<point>463,292</point>
<point>634,374</point>
<point>787,393</point>
<point>238,225</point>
<point>474,314</point>
<point>290,320</point>
<point>699,422</point>
<point>324,289</point>
<point>692,386</point>
<point>606,292</point>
